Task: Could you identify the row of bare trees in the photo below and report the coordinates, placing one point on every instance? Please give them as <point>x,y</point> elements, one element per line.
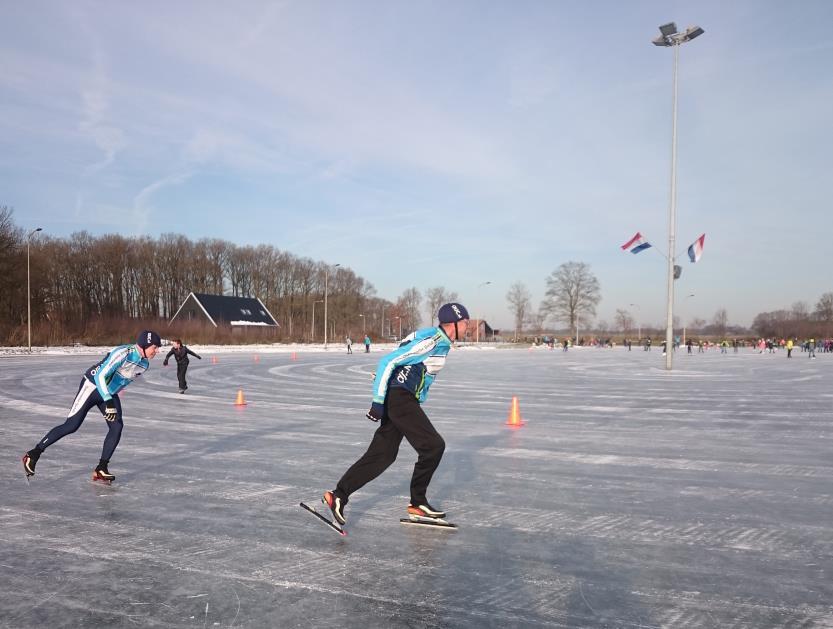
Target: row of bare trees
<point>80,281</point>
<point>573,293</point>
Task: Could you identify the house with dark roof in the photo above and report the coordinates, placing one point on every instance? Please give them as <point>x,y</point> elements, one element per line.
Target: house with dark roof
<point>223,310</point>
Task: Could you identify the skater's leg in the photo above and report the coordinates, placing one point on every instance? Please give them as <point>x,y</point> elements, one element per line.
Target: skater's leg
<point>405,411</point>
<point>181,368</point>
<point>381,453</point>
<point>86,398</point>
<point>114,432</point>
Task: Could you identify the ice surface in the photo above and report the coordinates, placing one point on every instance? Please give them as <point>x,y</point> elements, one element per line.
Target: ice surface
<point>630,498</point>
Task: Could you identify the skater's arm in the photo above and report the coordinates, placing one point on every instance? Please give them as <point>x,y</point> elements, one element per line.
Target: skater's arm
<point>410,354</point>
<point>187,349</point>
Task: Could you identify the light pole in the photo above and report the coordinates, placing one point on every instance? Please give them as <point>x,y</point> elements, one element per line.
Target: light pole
<point>400,327</point>
<point>326,277</point>
<point>687,296</point>
<point>638,322</point>
<point>312,329</point>
<point>670,37</point>
<point>29,286</point>
<point>364,328</point>
<point>477,329</point>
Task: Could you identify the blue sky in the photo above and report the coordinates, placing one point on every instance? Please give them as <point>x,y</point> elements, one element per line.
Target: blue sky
<point>435,143</point>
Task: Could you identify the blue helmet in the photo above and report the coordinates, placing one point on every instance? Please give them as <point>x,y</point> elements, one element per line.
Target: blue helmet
<point>148,338</point>
<point>452,313</point>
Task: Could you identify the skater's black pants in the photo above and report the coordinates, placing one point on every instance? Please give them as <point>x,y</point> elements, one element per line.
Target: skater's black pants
<point>403,417</point>
<point>87,397</point>
<point>181,368</point>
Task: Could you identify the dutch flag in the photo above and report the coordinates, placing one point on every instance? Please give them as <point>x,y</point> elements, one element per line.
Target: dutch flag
<point>696,249</point>
<point>636,244</point>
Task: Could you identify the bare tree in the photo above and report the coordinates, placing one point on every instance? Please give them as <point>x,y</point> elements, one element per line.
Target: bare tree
<point>572,292</point>
<point>824,308</point>
<point>436,297</point>
<point>720,322</point>
<point>624,321</point>
<point>800,311</point>
<point>520,305</point>
<point>408,307</point>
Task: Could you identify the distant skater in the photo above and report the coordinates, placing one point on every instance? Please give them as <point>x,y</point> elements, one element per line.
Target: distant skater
<point>100,386</point>
<point>349,342</point>
<point>180,354</point>
<point>403,378</point>
<point>366,344</point>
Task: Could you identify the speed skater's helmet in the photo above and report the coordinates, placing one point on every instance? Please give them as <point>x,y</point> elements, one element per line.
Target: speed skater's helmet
<point>452,313</point>
<point>148,338</point>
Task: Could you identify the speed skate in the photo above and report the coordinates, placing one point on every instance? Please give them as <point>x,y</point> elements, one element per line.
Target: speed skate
<point>437,523</point>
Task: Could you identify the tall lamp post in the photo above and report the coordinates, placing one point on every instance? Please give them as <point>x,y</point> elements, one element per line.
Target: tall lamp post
<point>669,37</point>
<point>312,329</point>
<point>477,329</point>
<point>400,327</point>
<point>29,286</point>
<point>687,296</point>
<point>638,322</point>
<point>326,278</point>
<point>364,328</point>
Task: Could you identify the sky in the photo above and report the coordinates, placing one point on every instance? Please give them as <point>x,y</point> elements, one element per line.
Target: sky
<point>461,144</point>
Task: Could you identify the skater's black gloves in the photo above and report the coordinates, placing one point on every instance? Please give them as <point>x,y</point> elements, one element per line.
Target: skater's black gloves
<point>165,363</point>
<point>110,412</point>
<point>376,412</point>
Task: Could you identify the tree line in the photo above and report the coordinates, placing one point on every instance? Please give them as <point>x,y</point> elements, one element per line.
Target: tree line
<point>573,292</point>
<point>93,289</point>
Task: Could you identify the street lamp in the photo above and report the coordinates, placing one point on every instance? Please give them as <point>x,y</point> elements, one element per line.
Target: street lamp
<point>29,286</point>
<point>477,329</point>
<point>638,322</point>
<point>364,328</point>
<point>400,327</point>
<point>312,329</point>
<point>687,296</point>
<point>326,277</point>
<point>669,37</point>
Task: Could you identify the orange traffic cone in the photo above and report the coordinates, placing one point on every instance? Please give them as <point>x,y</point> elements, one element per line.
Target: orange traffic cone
<point>515,414</point>
<point>213,360</point>
<point>240,400</point>
<point>294,356</point>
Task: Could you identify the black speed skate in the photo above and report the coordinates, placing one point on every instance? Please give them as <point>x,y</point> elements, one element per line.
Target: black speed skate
<point>30,460</point>
<point>102,475</point>
<point>425,515</point>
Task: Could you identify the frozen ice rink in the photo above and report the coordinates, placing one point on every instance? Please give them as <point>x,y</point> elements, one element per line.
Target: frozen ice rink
<point>631,497</point>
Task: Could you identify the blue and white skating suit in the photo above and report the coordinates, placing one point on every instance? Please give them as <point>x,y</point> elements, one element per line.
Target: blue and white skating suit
<point>413,365</point>
<point>118,369</point>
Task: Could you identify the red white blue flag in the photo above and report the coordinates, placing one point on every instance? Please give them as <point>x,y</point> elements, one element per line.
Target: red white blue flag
<point>636,244</point>
<point>696,249</point>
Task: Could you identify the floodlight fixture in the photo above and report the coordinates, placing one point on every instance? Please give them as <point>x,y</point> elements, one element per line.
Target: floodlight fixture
<point>691,32</point>
<point>668,29</point>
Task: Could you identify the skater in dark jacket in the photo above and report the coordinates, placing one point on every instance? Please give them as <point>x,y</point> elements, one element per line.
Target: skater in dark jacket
<point>100,386</point>
<point>180,353</point>
<point>400,386</point>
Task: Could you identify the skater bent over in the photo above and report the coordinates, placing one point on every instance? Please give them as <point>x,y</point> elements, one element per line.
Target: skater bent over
<point>180,354</point>
<point>401,385</point>
<point>99,387</point>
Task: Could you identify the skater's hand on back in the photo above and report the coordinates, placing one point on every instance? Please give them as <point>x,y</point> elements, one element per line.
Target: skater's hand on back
<point>376,412</point>
<point>165,363</point>
<point>110,412</point>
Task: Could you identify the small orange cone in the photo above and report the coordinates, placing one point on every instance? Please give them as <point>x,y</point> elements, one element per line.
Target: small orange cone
<point>213,360</point>
<point>294,356</point>
<point>240,400</point>
<point>257,358</point>
<point>515,414</point>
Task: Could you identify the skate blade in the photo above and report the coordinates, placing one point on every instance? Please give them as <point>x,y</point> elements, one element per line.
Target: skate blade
<point>439,523</point>
<point>332,524</point>
<point>103,481</point>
